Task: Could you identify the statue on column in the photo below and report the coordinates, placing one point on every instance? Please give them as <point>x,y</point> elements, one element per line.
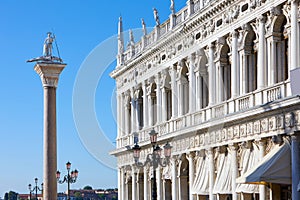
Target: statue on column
<point>156,17</point>
<point>144,27</point>
<point>47,51</point>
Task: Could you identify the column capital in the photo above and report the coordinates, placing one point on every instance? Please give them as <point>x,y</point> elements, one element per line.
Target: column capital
<point>49,73</point>
<point>233,146</point>
<point>262,19</point>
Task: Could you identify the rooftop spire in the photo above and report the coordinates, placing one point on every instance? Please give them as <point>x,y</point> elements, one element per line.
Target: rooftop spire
<point>120,36</point>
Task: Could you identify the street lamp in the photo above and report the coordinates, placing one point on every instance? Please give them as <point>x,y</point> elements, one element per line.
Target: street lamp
<point>69,178</point>
<point>153,158</point>
<point>35,189</point>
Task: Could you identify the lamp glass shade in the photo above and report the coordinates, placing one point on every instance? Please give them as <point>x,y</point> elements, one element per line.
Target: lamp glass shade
<point>29,186</point>
<point>158,150</point>
<point>36,180</point>
<point>153,136</point>
<point>58,174</point>
<point>167,150</point>
<point>136,151</point>
<point>76,173</point>
<point>68,165</point>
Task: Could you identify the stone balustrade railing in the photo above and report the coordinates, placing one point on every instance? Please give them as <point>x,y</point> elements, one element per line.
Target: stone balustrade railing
<point>244,102</point>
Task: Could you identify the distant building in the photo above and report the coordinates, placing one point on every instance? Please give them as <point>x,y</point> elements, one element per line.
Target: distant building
<point>217,81</point>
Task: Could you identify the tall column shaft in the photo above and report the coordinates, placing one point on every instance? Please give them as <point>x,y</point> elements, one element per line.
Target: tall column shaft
<point>145,184</point>
<point>158,100</point>
<point>174,92</point>
<point>261,60</point>
<point>262,188</point>
<point>295,165</point>
<point>294,34</point>
<point>50,149</point>
<point>234,168</point>
<point>211,173</point>
<point>174,180</point>
<point>159,185</point>
<point>145,105</point>
<point>212,76</point>
<point>133,185</point>
<point>192,85</point>
<point>49,74</point>
<point>190,158</point>
<point>234,66</point>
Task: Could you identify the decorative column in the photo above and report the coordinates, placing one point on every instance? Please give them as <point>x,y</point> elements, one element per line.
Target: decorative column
<point>133,116</point>
<point>145,105</point>
<point>133,183</point>
<point>190,5</point>
<point>159,185</point>
<point>122,113</point>
<point>127,114</point>
<point>211,174</point>
<point>163,104</point>
<point>234,169</point>
<point>262,188</point>
<point>295,142</point>
<point>261,60</point>
<point>158,99</point>
<point>190,158</point>
<point>145,183</point>
<point>120,183</point>
<point>172,71</point>
<point>294,35</point>
<point>212,76</point>
<point>192,84</point>
<point>49,74</point>
<point>234,66</point>
<point>174,178</point>
<point>150,106</point>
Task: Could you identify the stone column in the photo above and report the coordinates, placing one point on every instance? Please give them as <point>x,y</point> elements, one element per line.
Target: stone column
<point>158,99</point>
<point>119,183</point>
<point>49,74</point>
<point>190,158</point>
<point>174,179</point>
<point>133,183</point>
<point>234,66</point>
<point>145,105</point>
<point>158,179</point>
<point>172,72</point>
<point>127,116</point>
<point>145,183</point>
<point>123,191</point>
<point>180,96</point>
<point>211,173</point>
<point>190,5</point>
<point>262,188</point>
<point>261,60</point>
<point>212,75</point>
<point>133,116</point>
<point>294,34</point>
<point>234,169</point>
<point>295,142</point>
<point>122,112</point>
<point>192,84</point>
<point>163,104</point>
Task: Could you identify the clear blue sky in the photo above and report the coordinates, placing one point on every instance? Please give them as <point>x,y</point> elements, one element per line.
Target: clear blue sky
<point>79,27</point>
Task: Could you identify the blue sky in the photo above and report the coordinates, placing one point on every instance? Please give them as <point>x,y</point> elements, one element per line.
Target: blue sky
<point>80,26</point>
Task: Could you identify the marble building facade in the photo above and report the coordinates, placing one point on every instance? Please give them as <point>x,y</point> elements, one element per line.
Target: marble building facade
<point>214,80</point>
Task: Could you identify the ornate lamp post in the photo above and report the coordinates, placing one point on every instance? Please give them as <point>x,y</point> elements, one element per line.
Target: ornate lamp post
<point>153,158</point>
<point>69,178</point>
<point>35,189</point>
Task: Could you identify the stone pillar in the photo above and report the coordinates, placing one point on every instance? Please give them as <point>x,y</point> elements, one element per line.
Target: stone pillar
<point>158,99</point>
<point>119,183</point>
<point>133,183</point>
<point>133,113</point>
<point>262,188</point>
<point>150,106</point>
<point>192,84</point>
<point>190,158</point>
<point>261,60</point>
<point>163,104</point>
<point>122,112</point>
<point>294,34</point>
<point>211,174</point>
<point>127,116</point>
<point>123,191</point>
<point>145,105</point>
<point>234,66</point>
<point>172,71</point>
<point>159,185</point>
<point>145,183</point>
<point>234,169</point>
<point>49,74</point>
<point>174,179</point>
<point>212,76</point>
<point>180,96</point>
<point>295,157</point>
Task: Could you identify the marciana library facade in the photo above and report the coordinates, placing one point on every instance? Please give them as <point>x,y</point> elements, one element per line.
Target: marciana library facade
<point>217,80</point>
